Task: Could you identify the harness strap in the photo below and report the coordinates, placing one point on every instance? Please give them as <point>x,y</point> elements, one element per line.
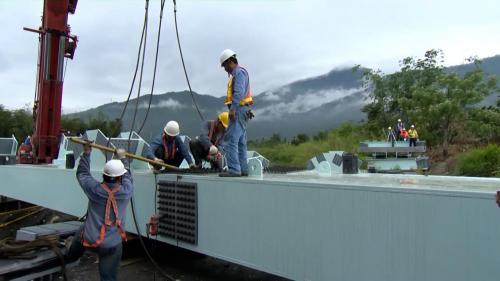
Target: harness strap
<point>165,148</point>
<point>211,133</point>
<point>110,203</point>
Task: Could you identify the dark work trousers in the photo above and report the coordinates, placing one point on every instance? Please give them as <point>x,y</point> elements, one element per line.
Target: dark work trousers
<point>173,162</point>
<point>413,141</point>
<point>109,258</point>
<point>176,161</point>
<point>200,153</point>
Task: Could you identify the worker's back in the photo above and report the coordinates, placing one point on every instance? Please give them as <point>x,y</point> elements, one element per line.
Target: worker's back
<point>98,199</point>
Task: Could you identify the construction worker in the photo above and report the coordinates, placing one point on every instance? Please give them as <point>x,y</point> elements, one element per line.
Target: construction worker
<point>404,134</point>
<point>412,133</point>
<point>169,147</point>
<point>102,231</point>
<point>238,99</point>
<point>399,129</point>
<point>206,145</point>
<point>391,137</point>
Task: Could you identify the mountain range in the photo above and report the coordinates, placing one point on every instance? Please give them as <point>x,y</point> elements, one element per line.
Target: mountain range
<point>305,106</point>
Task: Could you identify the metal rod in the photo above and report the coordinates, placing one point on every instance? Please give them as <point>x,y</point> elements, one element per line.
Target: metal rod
<point>129,155</point>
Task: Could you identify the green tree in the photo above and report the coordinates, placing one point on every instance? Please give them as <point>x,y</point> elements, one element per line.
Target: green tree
<point>300,138</point>
<point>422,92</point>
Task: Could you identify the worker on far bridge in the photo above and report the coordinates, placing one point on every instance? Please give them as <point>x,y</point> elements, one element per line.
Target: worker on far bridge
<point>400,126</point>
<point>238,99</point>
<point>412,132</point>
<point>169,147</point>
<point>391,137</point>
<point>207,145</point>
<point>102,231</point>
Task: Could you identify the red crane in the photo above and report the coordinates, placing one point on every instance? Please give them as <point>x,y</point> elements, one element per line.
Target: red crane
<point>56,43</point>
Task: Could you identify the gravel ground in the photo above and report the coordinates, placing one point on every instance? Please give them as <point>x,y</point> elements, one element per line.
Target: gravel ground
<point>180,264</point>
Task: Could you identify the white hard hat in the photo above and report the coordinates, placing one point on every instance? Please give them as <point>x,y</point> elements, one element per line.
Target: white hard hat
<point>399,120</point>
<point>114,168</point>
<point>389,128</point>
<point>172,128</point>
<point>413,126</point>
<point>227,53</point>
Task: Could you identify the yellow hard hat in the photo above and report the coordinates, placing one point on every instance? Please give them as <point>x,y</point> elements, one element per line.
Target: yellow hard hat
<point>224,118</point>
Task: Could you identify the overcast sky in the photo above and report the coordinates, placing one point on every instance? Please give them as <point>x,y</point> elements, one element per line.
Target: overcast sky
<point>278,41</point>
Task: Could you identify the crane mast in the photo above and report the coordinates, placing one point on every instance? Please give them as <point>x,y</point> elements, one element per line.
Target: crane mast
<point>56,43</point>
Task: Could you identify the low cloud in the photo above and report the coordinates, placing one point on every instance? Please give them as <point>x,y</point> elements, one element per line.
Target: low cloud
<point>169,103</point>
<point>302,103</point>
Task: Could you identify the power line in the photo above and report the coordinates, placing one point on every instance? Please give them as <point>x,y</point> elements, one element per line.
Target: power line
<point>154,70</point>
<point>183,64</point>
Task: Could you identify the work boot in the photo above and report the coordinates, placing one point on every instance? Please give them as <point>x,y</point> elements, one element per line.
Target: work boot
<point>229,174</point>
<point>244,174</point>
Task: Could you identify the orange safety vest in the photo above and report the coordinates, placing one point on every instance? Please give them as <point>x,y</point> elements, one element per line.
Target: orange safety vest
<point>404,133</point>
<point>165,148</point>
<point>110,203</point>
<point>229,95</point>
<point>211,133</point>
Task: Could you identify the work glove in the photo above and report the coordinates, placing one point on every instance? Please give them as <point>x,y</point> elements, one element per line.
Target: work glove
<point>158,160</point>
<point>192,166</point>
<point>249,114</point>
<point>213,150</point>
<point>120,153</point>
<point>214,157</point>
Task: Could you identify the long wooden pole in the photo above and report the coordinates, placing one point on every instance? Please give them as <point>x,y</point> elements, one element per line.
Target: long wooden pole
<point>129,155</point>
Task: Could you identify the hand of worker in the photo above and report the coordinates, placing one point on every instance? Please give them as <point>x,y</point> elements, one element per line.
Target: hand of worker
<point>158,160</point>
<point>213,150</point>
<point>120,153</point>
<point>192,166</point>
<point>232,114</point>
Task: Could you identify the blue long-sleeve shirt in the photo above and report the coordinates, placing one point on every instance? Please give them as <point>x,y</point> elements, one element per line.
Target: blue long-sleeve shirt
<point>97,203</point>
<point>240,86</point>
<point>180,147</point>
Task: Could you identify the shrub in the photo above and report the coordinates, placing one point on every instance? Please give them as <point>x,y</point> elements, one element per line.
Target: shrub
<point>480,162</point>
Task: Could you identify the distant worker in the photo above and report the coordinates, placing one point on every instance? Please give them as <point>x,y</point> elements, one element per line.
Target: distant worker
<point>404,134</point>
<point>238,99</point>
<point>27,140</point>
<point>169,147</point>
<point>391,137</point>
<point>412,133</point>
<point>206,145</point>
<point>102,231</point>
<point>399,129</point>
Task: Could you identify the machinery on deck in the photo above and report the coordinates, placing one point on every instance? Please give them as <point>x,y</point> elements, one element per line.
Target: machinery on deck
<point>55,44</point>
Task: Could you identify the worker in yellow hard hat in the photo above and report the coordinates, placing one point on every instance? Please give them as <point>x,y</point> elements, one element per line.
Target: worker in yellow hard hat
<point>207,145</point>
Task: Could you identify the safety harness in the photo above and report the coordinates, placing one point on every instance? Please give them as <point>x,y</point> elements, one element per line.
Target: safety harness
<point>110,203</point>
<point>229,95</point>
<point>165,148</point>
<point>211,133</point>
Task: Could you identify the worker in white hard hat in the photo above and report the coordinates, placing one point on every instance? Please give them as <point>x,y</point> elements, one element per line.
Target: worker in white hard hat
<point>169,147</point>
<point>398,130</point>
<point>103,229</point>
<point>391,137</point>
<point>207,145</point>
<point>239,100</point>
